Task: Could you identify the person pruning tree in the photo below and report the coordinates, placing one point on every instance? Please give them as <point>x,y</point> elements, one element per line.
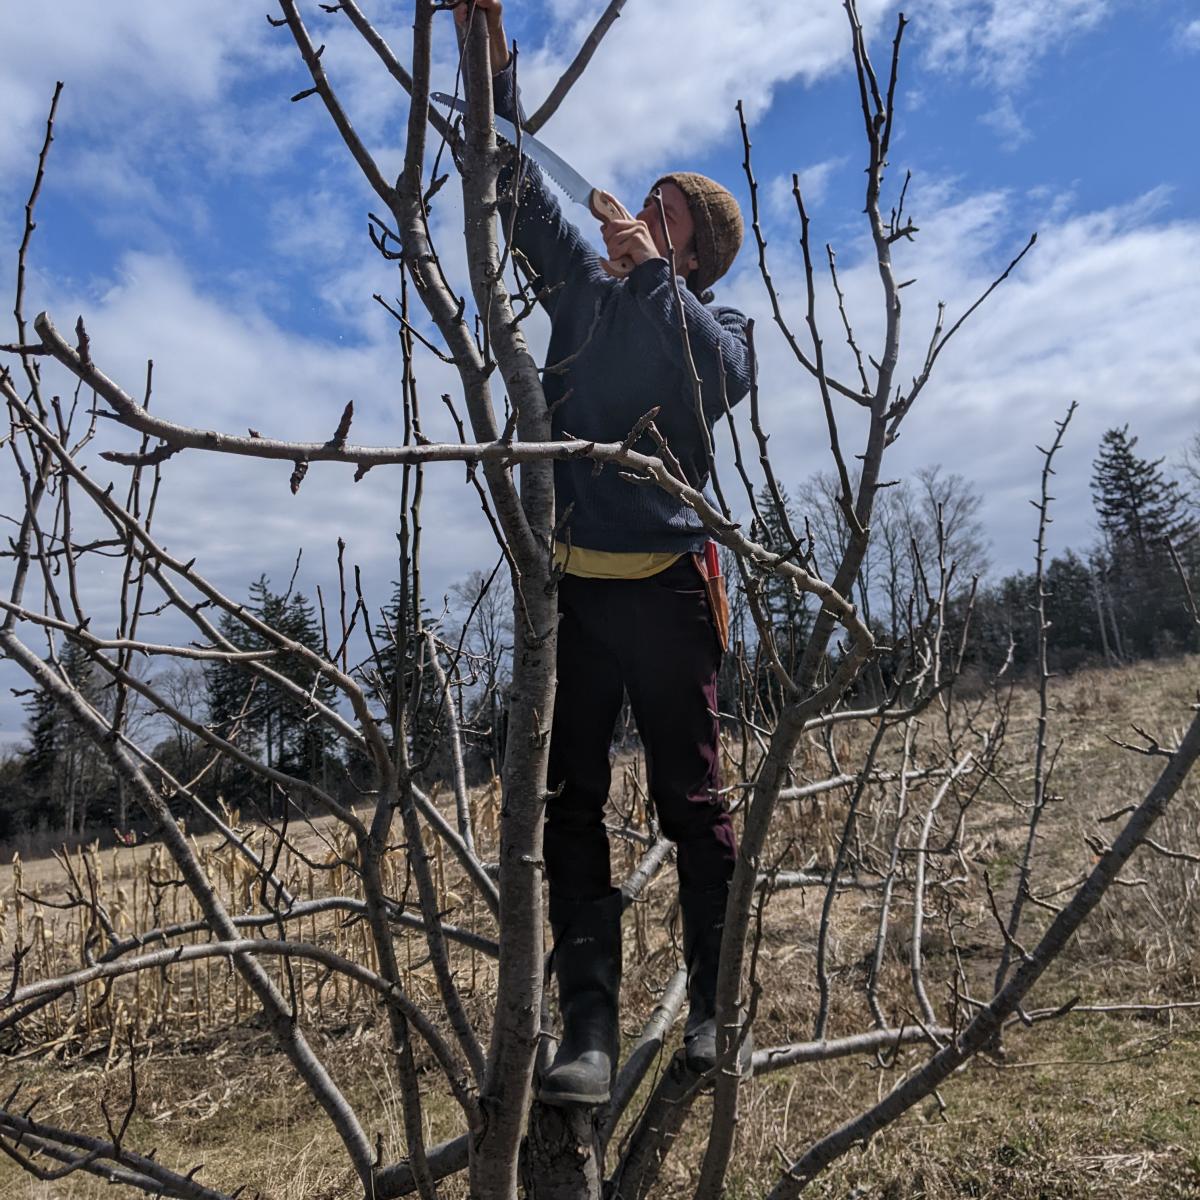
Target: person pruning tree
<point>641,605</point>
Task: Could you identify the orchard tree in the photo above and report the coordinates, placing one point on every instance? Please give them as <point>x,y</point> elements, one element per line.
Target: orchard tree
<point>903,799</point>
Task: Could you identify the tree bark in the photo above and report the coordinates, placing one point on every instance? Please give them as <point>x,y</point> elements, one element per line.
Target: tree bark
<point>564,1156</point>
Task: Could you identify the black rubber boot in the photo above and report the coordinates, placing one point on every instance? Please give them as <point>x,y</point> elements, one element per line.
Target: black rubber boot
<point>703,913</point>
<point>587,963</point>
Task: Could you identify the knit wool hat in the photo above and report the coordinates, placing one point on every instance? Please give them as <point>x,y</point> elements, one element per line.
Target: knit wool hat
<point>719,226</point>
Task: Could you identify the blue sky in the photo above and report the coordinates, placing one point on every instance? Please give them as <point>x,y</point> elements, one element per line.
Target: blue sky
<point>195,216</point>
<point>1097,116</point>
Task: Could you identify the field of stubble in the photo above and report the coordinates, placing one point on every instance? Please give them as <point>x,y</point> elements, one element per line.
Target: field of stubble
<point>1090,1105</point>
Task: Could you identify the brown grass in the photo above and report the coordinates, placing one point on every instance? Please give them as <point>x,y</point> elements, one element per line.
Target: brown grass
<point>1093,1105</point>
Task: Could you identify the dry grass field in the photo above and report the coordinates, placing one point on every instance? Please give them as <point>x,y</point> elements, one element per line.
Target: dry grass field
<point>1101,1105</point>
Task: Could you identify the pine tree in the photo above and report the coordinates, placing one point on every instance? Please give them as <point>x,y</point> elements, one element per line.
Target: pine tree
<point>306,745</point>
<point>1138,509</point>
<point>1075,635</point>
<point>66,777</point>
<point>1141,513</point>
<point>405,687</point>
<point>268,721</point>
<point>786,608</point>
<point>44,729</point>
<point>14,795</point>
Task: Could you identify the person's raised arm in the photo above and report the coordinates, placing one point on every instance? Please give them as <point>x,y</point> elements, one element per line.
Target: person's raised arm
<point>552,245</point>
<point>716,334</point>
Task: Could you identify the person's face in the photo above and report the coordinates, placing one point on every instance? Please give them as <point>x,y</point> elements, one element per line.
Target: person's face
<point>679,224</point>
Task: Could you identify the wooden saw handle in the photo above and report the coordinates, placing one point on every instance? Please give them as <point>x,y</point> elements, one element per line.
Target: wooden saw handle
<point>606,207</point>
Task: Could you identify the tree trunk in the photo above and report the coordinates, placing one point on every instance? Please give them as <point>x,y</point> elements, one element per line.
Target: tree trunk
<point>69,808</point>
<point>122,805</point>
<point>1109,657</point>
<point>654,1134</point>
<point>564,1156</point>
<point>1116,630</point>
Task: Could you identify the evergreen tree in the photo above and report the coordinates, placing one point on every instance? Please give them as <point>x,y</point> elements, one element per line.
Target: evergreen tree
<point>1140,512</point>
<point>405,687</point>
<point>786,607</point>
<point>14,796</point>
<point>44,730</point>
<point>1189,461</point>
<point>1138,509</point>
<point>266,720</point>
<point>66,780</point>
<point>1075,634</point>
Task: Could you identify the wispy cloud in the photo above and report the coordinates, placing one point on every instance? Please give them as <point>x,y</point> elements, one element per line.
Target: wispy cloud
<point>814,184</point>
<point>227,366</point>
<point>1000,43</point>
<point>137,64</point>
<point>628,116</point>
<point>1100,312</point>
<point>1189,35</point>
<point>1004,39</point>
<point>1007,123</point>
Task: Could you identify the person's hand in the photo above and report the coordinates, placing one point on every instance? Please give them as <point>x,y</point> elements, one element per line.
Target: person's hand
<point>493,11</point>
<point>627,241</point>
<point>605,207</point>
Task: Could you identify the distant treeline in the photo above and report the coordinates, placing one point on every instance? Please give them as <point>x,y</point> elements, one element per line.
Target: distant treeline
<point>60,782</point>
<point>1125,598</point>
<point>1129,596</point>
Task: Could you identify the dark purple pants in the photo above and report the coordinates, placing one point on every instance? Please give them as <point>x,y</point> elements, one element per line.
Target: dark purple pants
<point>653,638</point>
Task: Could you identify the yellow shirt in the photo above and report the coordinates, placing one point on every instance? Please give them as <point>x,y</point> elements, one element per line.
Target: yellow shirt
<point>611,564</point>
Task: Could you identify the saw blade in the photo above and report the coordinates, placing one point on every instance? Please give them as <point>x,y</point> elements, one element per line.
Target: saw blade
<point>561,171</point>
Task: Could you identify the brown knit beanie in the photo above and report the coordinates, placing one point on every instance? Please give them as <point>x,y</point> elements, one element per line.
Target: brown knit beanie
<point>718,226</point>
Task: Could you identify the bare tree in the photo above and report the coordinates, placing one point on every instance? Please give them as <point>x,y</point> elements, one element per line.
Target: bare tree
<point>915,522</point>
<point>919,763</point>
<point>1190,462</point>
<point>486,639</point>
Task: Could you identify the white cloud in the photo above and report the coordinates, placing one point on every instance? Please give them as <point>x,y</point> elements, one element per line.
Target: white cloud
<point>619,132</point>
<point>228,367</point>
<point>1008,124</point>
<point>160,104</point>
<point>814,183</point>
<point>1003,39</point>
<point>1102,311</point>
<point>999,43</point>
<point>1189,35</point>
<point>137,63</point>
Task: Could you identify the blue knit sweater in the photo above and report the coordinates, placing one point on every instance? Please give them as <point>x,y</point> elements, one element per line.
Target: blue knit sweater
<point>619,340</point>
